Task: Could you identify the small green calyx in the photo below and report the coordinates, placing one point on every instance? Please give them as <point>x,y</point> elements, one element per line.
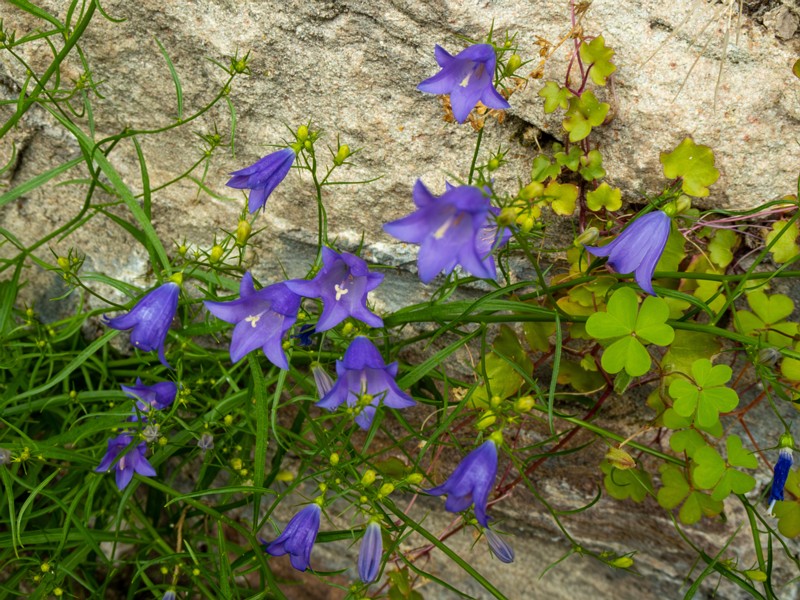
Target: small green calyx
<point>786,441</point>
<point>177,278</point>
<point>341,155</point>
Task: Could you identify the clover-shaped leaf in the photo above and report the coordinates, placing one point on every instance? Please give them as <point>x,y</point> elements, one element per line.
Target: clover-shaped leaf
<point>707,395</point>
<point>686,440</point>
<point>712,471</point>
<point>694,164</point>
<point>785,248</point>
<point>599,57</point>
<point>625,320</point>
<point>767,318</point>
<point>563,197</point>
<point>788,511</point>
<point>720,248</point>
<point>628,483</point>
<point>571,160</point>
<point>592,166</point>
<point>583,114</point>
<point>554,96</point>
<point>676,490</point>
<point>604,197</point>
<point>543,169</point>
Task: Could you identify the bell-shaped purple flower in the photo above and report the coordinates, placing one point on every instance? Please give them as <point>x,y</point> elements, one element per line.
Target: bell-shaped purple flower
<point>456,228</point>
<point>467,78</point>
<point>499,547</point>
<point>150,319</point>
<point>158,396</point>
<point>780,474</point>
<point>364,382</point>
<point>298,537</point>
<point>638,248</point>
<point>262,177</point>
<point>370,554</point>
<point>342,283</point>
<point>130,460</point>
<point>471,482</point>
<point>262,318</point>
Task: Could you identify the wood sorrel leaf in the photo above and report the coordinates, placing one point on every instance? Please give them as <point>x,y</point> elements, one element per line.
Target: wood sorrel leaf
<point>694,164</point>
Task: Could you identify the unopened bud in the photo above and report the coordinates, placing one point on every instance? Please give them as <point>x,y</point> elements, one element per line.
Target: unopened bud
<point>683,204</point>
<point>243,232</point>
<point>334,459</point>
<point>620,459</point>
<point>415,478</point>
<point>216,253</point>
<point>524,404</point>
<point>589,236</point>
<point>386,489</point>
<point>368,478</point>
<point>507,216</point>
<point>514,63</point>
<point>63,262</point>
<point>768,356</point>
<point>308,145</point>
<point>487,419</point>
<point>494,164</point>
<point>302,133</point>
<point>623,562</point>
<point>756,575</point>
<point>341,155</point>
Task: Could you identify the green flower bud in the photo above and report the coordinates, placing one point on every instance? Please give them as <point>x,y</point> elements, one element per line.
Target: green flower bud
<point>514,63</point>
<point>589,236</point>
<point>368,478</point>
<point>308,145</point>
<point>623,562</point>
<point>63,262</point>
<point>341,155</point>
<point>243,232</point>
<point>683,204</point>
<point>487,419</point>
<point>415,478</point>
<point>756,575</point>
<point>302,133</point>
<point>620,459</point>
<point>386,489</point>
<point>494,164</point>
<point>523,405</point>
<point>768,356</point>
<point>507,216</point>
<point>216,253</point>
<point>334,459</point>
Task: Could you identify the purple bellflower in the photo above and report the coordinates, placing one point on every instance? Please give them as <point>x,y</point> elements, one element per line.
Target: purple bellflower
<point>262,318</point>
<point>781,473</point>
<point>298,537</point>
<point>471,482</point>
<point>467,78</point>
<point>131,461</point>
<point>150,319</point>
<point>364,381</point>
<point>371,553</point>
<point>638,248</point>
<point>158,396</point>
<point>455,228</point>
<point>262,177</point>
<point>342,283</point>
<point>499,547</point>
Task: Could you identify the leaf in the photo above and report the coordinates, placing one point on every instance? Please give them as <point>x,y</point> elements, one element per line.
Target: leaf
<point>619,318</point>
<point>788,514</point>
<point>720,248</point>
<point>771,309</point>
<point>651,323</point>
<point>790,367</point>
<point>581,379</point>
<point>554,96</point>
<point>785,248</point>
<point>710,468</point>
<point>543,169</point>
<point>694,164</point>
<point>626,353</point>
<point>707,395</point>
<point>686,440</point>
<point>598,56</point>
<point>768,320</point>
<point>738,456</point>
<point>624,484</point>
<point>674,488</point>
<point>687,347</point>
<point>504,379</point>
<point>604,197</point>
<point>698,505</point>
<point>563,195</point>
<point>538,334</point>
<point>583,114</point>
<point>572,160</point>
<point>592,166</point>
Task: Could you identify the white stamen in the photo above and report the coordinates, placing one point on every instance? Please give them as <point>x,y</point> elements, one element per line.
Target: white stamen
<point>439,234</point>
<point>340,291</point>
<point>253,319</point>
<point>121,464</point>
<point>465,81</point>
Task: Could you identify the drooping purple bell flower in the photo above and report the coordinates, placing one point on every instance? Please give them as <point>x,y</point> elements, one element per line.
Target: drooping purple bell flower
<point>364,382</point>
<point>467,78</point>
<point>638,248</point>
<point>297,539</point>
<point>456,228</point>
<point>471,482</point>
<point>780,475</point>
<point>262,318</point>
<point>262,177</point>
<point>371,553</point>
<point>130,461</point>
<point>150,319</point>
<point>158,396</point>
<point>342,283</point>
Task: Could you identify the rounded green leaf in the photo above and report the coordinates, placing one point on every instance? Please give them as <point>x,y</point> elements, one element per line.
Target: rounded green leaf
<point>685,395</point>
<point>710,468</point>
<point>626,353</point>
<point>694,164</point>
<point>651,322</point>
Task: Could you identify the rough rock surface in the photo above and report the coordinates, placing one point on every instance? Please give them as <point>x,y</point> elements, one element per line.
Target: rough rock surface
<point>351,67</point>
